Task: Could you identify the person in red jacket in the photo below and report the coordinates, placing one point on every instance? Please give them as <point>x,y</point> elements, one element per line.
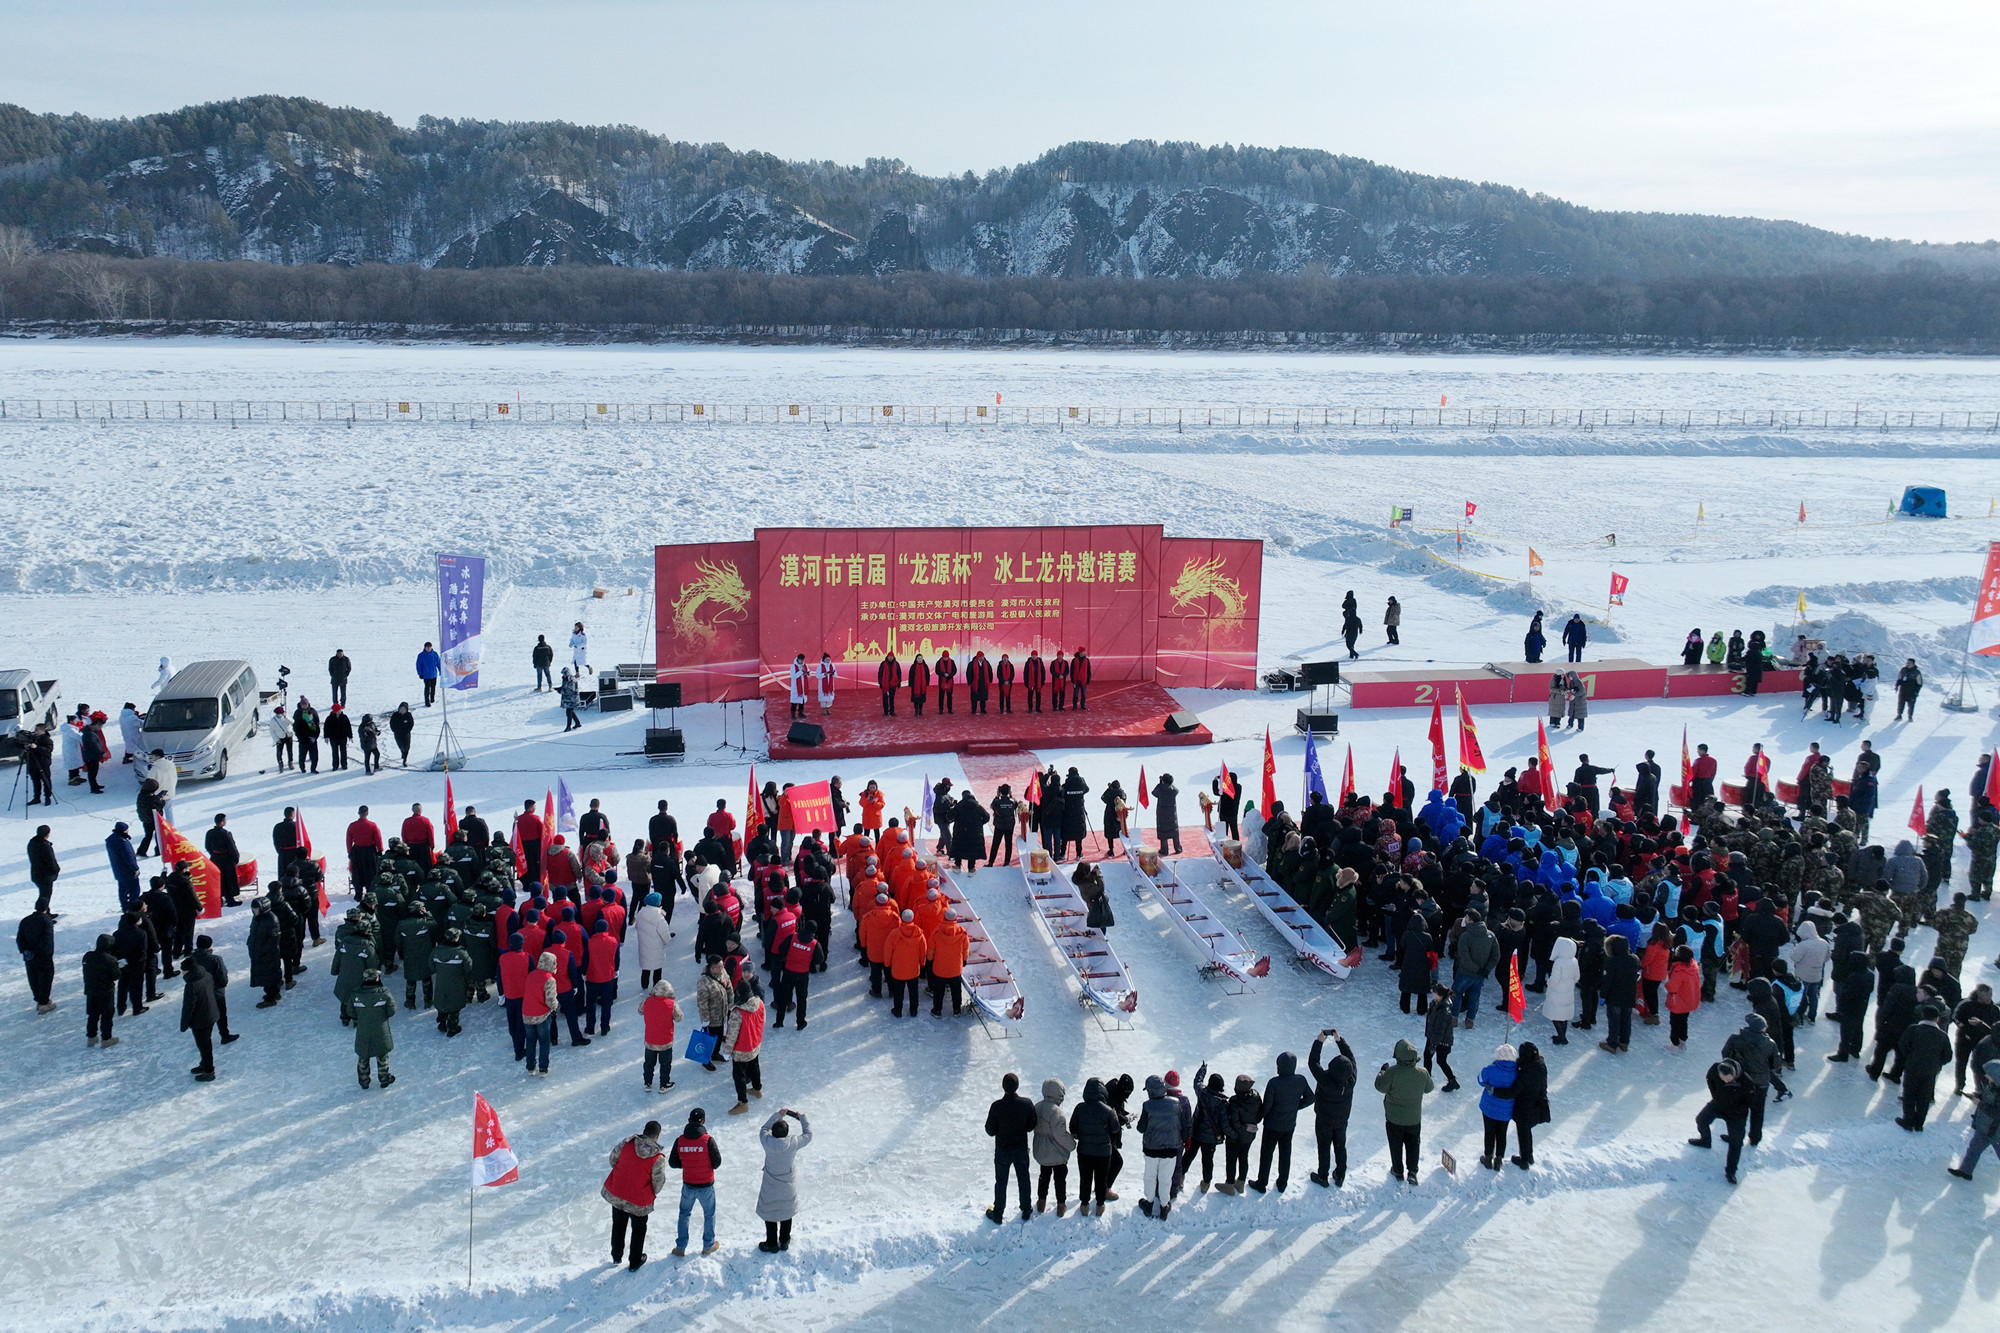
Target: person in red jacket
<point>920,683</point>
<point>950,947</point>
<point>1701,774</point>
<point>1756,773</point>
<point>889,679</point>
<point>528,830</point>
<point>907,951</point>
<point>660,1011</point>
<point>420,837</point>
<point>802,953</point>
<point>538,1012</point>
<point>696,1155</point>
<point>1058,681</point>
<point>565,946</point>
<point>515,965</point>
<point>1683,995</point>
<point>600,979</point>
<point>1034,679</point>
<point>1003,675</point>
<point>638,1172</point>
<point>364,852</point>
<point>947,676</point>
<point>1079,679</point>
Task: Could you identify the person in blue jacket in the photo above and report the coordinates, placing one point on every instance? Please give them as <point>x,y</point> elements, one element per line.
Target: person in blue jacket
<point>427,672</point>
<point>1534,641</point>
<point>124,865</point>
<point>1597,906</point>
<point>1496,1104</point>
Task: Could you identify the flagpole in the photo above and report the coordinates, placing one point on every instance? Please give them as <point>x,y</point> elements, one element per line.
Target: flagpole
<point>471,1191</point>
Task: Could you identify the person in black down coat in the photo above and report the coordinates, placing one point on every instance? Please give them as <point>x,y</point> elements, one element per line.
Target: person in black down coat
<point>100,987</point>
<point>267,952</point>
<point>1049,811</point>
<point>1894,1013</point>
<point>198,1016</point>
<point>1923,1052</point>
<point>1284,1097</point>
<point>1531,1101</point>
<point>1333,1100</point>
<point>1009,1121</point>
<point>1414,964</point>
<point>1167,814</point>
<point>1097,1131</point>
<point>1621,985</point>
<point>1075,815</point>
<point>1851,992</point>
<point>968,832</point>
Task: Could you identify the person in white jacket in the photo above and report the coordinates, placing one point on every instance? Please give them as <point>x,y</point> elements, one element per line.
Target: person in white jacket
<point>72,750</point>
<point>1559,1000</point>
<point>654,930</point>
<point>166,674</point>
<point>279,728</point>
<point>1809,957</point>
<point>800,674</point>
<point>129,726</point>
<point>827,674</point>
<point>778,1195</point>
<point>579,651</point>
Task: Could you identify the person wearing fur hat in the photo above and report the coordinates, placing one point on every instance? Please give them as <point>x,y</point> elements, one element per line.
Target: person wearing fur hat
<point>1729,1102</point>
<point>638,1173</point>
<point>660,1012</point>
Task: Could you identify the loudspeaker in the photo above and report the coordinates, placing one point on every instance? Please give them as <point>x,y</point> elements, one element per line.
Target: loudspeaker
<point>1281,681</point>
<point>806,733</point>
<point>665,740</point>
<point>1319,724</point>
<point>1312,674</point>
<point>663,694</point>
<point>1182,721</point>
<point>616,701</point>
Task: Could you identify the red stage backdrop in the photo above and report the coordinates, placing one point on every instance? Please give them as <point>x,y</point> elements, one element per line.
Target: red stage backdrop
<point>705,619</point>
<point>1146,608</point>
<point>1209,595</point>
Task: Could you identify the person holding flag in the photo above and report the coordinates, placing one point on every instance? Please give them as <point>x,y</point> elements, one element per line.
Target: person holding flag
<point>1756,778</point>
<point>1228,802</point>
<point>1439,780</point>
<point>1314,782</point>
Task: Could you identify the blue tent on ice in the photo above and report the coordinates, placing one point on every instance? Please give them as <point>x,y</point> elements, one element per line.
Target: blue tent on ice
<point>1922,502</point>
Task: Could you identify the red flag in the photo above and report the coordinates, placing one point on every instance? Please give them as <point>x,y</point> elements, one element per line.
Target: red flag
<point>306,846</point>
<point>1619,583</point>
<point>1917,814</point>
<point>1687,762</point>
<point>493,1162</point>
<point>1985,636</point>
<point>1347,776</point>
<point>1145,798</point>
<point>1438,779</point>
<point>520,856</point>
<point>1547,764</point>
<point>450,811</point>
<point>1764,768</point>
<point>1270,792</point>
<point>1802,511</point>
<point>1034,795</point>
<point>1517,1003</point>
<point>1228,780</point>
<point>176,849</point>
<point>753,812</point>
<point>1993,780</point>
<point>1396,780</point>
<point>548,815</point>
<point>1470,509</point>
<point>1470,756</point>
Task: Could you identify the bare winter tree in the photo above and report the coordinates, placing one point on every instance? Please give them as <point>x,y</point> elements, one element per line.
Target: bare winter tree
<point>96,283</point>
<point>15,247</point>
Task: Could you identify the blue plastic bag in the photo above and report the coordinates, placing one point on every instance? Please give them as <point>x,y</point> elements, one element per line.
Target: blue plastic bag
<point>701,1046</point>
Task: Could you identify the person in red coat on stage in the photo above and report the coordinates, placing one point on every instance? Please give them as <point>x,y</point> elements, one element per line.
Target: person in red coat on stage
<point>420,837</point>
<point>889,679</point>
<point>920,683</point>
<point>1702,774</point>
<point>1004,674</point>
<point>978,681</point>
<point>528,828</point>
<point>1034,679</point>
<point>1058,680</point>
<point>947,676</point>
<point>364,852</point>
<point>1079,678</point>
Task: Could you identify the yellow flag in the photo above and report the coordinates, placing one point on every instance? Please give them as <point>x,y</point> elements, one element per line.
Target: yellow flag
<point>1700,512</point>
<point>1802,603</point>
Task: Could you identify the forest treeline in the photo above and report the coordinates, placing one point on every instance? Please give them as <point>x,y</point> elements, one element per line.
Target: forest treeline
<point>1916,307</point>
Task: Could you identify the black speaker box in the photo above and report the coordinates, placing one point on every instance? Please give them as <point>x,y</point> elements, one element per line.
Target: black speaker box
<point>663,694</point>
<point>1319,673</point>
<point>806,733</point>
<point>1183,721</point>
<point>665,740</point>
<point>1319,724</point>
<point>617,701</point>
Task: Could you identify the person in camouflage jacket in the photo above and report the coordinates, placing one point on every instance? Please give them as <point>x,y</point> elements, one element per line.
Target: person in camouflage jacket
<point>1955,927</point>
<point>1984,840</point>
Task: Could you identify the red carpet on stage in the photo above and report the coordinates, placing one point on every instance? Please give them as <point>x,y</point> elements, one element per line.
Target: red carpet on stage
<point>1120,714</point>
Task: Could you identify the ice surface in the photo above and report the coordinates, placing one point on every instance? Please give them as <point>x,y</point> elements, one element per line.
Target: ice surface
<point>281,1196</point>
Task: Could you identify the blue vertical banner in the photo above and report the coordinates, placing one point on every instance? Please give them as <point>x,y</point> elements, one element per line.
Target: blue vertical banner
<point>461,598</point>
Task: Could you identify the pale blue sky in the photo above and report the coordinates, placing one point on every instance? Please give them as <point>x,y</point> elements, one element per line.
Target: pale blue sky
<point>1881,118</point>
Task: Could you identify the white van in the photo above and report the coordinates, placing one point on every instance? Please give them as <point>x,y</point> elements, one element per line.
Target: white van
<point>206,714</point>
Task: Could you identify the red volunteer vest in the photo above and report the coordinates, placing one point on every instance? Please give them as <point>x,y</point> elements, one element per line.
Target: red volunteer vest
<point>692,1154</point>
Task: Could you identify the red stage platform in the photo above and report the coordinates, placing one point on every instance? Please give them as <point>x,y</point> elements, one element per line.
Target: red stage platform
<point>1120,714</point>
<point>1528,683</point>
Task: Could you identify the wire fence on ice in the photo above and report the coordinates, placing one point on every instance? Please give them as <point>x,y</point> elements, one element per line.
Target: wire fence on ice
<point>1296,418</point>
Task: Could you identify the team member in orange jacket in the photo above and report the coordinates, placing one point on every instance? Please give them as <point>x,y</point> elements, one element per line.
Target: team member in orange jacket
<point>1079,679</point>
<point>876,928</point>
<point>1058,680</point>
<point>908,951</point>
<point>920,683</point>
<point>872,802</point>
<point>1034,679</point>
<point>855,849</point>
<point>950,947</point>
<point>978,681</point>
<point>947,676</point>
<point>930,908</point>
<point>889,678</point>
<point>1004,675</point>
